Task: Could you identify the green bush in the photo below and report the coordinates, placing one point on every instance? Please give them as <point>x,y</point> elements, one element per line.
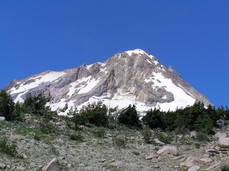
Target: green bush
<point>147,134</point>
<point>119,142</point>
<point>154,119</point>
<point>8,109</point>
<point>9,149</point>
<point>202,137</point>
<point>197,145</point>
<point>47,128</point>
<point>100,133</point>
<point>203,124</point>
<point>136,153</point>
<point>95,114</point>
<point>37,105</point>
<point>224,168</point>
<point>76,136</point>
<point>129,117</point>
<point>162,137</point>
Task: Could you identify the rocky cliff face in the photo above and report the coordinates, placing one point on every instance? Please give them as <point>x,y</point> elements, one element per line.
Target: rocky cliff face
<point>131,77</point>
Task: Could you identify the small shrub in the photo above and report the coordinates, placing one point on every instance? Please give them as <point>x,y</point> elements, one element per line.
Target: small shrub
<point>136,153</point>
<point>147,134</point>
<point>76,137</point>
<point>224,168</point>
<point>9,149</point>
<point>202,137</point>
<point>47,128</point>
<point>54,151</point>
<point>38,136</point>
<point>100,133</point>
<point>164,138</point>
<point>197,145</point>
<point>119,142</point>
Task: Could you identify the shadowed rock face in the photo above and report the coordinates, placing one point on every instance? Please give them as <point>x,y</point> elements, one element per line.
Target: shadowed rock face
<point>131,77</point>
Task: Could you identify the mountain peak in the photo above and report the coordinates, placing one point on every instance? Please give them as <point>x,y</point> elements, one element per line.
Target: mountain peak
<point>136,51</point>
<point>132,77</point>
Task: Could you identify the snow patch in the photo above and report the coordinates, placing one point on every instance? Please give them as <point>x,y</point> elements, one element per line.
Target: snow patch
<point>135,51</point>
<point>49,77</point>
<point>181,98</point>
<point>149,61</point>
<point>89,66</point>
<point>89,86</point>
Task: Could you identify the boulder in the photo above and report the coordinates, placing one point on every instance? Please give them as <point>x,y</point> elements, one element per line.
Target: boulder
<point>224,141</point>
<point>167,150</point>
<point>53,165</point>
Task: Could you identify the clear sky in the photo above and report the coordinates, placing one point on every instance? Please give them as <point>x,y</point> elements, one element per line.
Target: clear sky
<point>190,35</point>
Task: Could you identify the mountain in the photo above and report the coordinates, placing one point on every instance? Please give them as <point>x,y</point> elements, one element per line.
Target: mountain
<point>131,77</point>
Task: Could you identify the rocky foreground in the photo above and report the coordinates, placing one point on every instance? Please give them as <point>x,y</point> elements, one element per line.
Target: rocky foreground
<point>120,148</point>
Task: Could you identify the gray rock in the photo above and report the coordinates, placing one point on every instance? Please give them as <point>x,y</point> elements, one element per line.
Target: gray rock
<point>2,166</point>
<point>19,168</point>
<point>2,118</point>
<point>194,168</point>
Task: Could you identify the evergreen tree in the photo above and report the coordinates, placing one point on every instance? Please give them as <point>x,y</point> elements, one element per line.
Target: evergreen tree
<point>204,124</point>
<point>6,106</point>
<point>37,105</point>
<point>154,119</point>
<point>95,113</point>
<point>129,117</point>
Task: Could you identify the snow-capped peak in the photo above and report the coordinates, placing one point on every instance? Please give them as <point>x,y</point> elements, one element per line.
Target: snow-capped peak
<point>138,79</point>
<point>135,51</point>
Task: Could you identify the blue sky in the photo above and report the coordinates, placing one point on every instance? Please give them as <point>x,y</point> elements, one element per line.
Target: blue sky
<point>190,35</point>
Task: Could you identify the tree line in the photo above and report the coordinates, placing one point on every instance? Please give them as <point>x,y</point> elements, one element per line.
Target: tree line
<point>196,117</point>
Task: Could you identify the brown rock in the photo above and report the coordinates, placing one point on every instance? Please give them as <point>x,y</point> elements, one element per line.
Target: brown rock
<point>19,168</point>
<point>177,158</point>
<point>16,137</point>
<point>149,157</point>
<point>220,135</point>
<point>189,162</point>
<point>194,168</point>
<point>167,150</point>
<point>224,141</point>
<point>157,141</point>
<point>61,141</point>
<point>206,159</point>
<point>212,151</point>
<point>53,165</point>
<point>156,159</point>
